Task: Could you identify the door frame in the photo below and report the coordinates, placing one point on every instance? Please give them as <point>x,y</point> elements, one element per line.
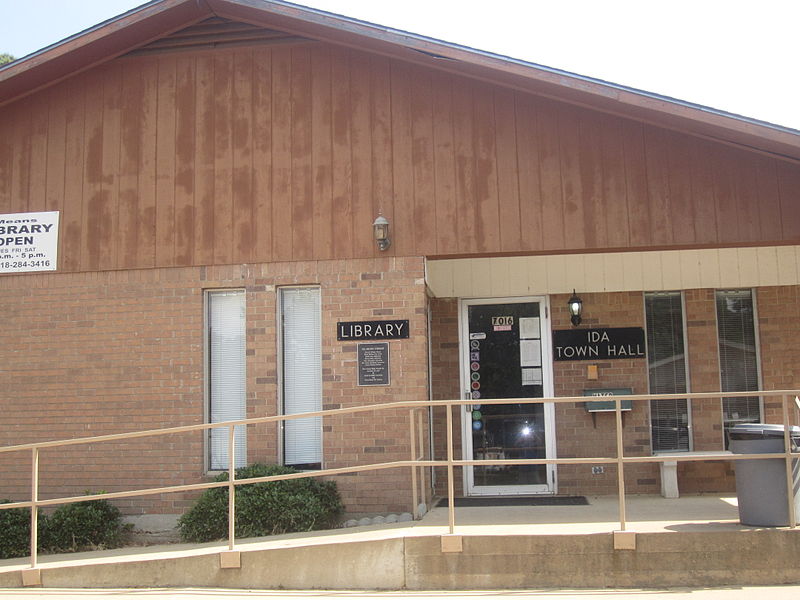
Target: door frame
<point>470,489</point>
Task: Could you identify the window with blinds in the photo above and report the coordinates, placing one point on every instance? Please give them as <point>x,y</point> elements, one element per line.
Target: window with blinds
<point>666,368</point>
<point>225,335</point>
<point>738,357</point>
<point>301,349</point>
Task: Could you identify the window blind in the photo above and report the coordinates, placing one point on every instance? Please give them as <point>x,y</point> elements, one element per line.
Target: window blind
<point>738,359</point>
<point>226,378</point>
<point>302,375</point>
<point>666,367</point>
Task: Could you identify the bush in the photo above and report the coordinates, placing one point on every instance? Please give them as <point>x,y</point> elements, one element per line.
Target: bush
<point>265,508</point>
<point>83,525</point>
<point>15,525</point>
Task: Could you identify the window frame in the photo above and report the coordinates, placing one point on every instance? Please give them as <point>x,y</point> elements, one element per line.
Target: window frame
<point>686,368</point>
<point>207,399</point>
<point>756,342</point>
<point>281,380</point>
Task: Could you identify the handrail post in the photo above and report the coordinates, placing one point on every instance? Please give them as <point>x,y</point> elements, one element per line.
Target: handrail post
<point>620,465</point>
<point>421,456</point>
<point>34,505</point>
<point>451,508</point>
<point>787,449</point>
<point>412,449</point>
<point>231,487</point>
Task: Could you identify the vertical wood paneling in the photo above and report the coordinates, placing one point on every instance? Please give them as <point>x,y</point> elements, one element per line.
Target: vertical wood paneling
<point>465,167</point>
<point>56,150</point>
<point>680,190</point>
<point>748,210</point>
<point>422,162</point>
<point>321,159</point>
<point>591,183</point>
<point>146,223</point>
<point>185,118</point>
<point>242,131</point>
<point>614,191</point>
<point>130,164</point>
<point>108,243</point>
<point>204,162</point>
<point>505,116</point>
<point>658,192</point>
<point>38,160</point>
<point>95,215</point>
<point>22,127</point>
<point>381,122</point>
<point>281,154</point>
<point>289,152</point>
<point>302,201</point>
<point>547,134</point>
<point>530,193</point>
<point>789,189</point>
<point>725,194</point>
<point>262,152</point>
<point>487,227</point>
<point>572,190</point>
<point>165,163</point>
<point>767,198</point>
<point>8,204</point>
<point>363,201</point>
<point>223,159</point>
<point>447,233</point>
<point>703,192</point>
<point>402,159</point>
<point>342,159</point>
<point>636,184</point>
<point>71,221</point>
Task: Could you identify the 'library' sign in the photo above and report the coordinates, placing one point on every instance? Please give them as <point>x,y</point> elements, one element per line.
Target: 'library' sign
<point>598,344</point>
<point>372,330</point>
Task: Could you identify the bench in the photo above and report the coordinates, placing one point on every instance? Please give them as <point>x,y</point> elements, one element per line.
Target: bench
<point>669,470</point>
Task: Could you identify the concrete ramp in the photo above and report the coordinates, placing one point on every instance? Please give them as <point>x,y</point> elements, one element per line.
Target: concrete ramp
<point>430,562</point>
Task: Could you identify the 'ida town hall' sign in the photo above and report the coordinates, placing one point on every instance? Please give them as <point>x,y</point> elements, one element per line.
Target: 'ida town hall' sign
<point>598,344</point>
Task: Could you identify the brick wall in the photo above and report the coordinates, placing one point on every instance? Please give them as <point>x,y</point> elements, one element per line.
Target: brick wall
<point>445,385</point>
<point>581,434</point>
<point>94,353</point>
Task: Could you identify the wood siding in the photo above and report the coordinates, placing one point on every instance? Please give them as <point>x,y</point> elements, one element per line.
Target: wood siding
<point>288,152</point>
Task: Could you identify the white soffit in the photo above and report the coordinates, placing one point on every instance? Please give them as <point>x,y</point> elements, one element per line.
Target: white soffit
<point>614,272</point>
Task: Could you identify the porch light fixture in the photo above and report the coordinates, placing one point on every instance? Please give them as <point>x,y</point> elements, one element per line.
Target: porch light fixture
<point>575,305</point>
<point>380,229</point>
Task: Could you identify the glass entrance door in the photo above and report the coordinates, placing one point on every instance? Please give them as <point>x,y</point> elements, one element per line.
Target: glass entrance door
<point>506,355</point>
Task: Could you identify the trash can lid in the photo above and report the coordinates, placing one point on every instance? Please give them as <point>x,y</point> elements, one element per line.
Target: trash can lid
<point>754,431</point>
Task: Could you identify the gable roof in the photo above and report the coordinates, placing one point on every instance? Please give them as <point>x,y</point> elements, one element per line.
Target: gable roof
<point>159,18</point>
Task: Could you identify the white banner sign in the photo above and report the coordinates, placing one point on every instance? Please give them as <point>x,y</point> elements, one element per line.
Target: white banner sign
<point>29,242</point>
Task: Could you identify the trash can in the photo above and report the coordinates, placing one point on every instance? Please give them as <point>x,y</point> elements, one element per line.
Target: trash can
<point>761,484</point>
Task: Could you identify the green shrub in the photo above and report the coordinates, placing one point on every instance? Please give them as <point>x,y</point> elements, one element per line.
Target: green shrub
<point>83,525</point>
<point>15,525</point>
<point>265,508</point>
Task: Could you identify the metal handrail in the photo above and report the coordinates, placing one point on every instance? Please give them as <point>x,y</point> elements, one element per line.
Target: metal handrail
<point>416,461</point>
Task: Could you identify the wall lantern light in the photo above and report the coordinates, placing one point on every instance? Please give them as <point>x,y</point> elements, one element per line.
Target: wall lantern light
<point>575,305</point>
<point>380,228</point>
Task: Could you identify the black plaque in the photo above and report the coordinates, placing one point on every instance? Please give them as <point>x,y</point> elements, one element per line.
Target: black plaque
<point>598,344</point>
<point>372,330</point>
<point>373,364</point>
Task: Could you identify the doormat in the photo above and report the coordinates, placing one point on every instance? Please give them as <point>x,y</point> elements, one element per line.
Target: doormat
<point>476,501</point>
